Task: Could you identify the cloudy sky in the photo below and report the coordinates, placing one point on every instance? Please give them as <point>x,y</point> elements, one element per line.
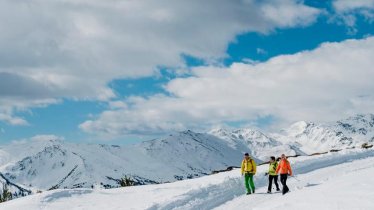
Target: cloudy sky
<point>128,70</point>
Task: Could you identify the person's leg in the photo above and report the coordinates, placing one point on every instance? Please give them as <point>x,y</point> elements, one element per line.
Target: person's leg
<point>284,183</point>
<point>252,183</point>
<point>281,179</point>
<point>270,183</point>
<point>246,183</point>
<point>276,182</point>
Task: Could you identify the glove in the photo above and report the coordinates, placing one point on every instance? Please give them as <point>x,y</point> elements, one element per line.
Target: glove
<point>266,174</point>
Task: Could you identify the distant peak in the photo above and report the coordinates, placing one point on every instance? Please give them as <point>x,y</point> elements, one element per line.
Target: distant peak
<point>188,133</point>
<point>46,138</point>
<point>218,130</point>
<point>248,131</point>
<point>360,117</point>
<point>297,128</point>
<point>300,124</point>
<point>234,130</point>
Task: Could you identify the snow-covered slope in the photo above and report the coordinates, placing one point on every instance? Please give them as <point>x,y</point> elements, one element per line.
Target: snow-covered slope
<point>331,185</point>
<point>359,128</point>
<point>311,137</point>
<point>55,164</point>
<point>193,154</point>
<point>15,190</point>
<point>321,182</point>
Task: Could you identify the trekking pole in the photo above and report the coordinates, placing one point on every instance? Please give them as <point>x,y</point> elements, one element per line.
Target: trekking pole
<point>296,178</point>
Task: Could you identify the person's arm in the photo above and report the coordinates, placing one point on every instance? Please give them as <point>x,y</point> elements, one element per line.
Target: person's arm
<point>289,168</point>
<point>267,173</point>
<point>242,168</point>
<point>278,168</point>
<point>254,167</point>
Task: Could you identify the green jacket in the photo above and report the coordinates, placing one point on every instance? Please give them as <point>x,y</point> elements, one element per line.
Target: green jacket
<point>272,168</point>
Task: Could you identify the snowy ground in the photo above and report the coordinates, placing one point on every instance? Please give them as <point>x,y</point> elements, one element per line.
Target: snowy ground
<point>333,181</point>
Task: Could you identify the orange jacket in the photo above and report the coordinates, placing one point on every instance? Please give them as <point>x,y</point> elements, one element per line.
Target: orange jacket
<point>284,167</point>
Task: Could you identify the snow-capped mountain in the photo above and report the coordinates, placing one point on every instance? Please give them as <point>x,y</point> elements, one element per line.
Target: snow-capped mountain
<point>51,164</point>
<point>193,154</point>
<point>311,137</point>
<point>56,164</point>
<point>359,128</point>
<point>255,142</point>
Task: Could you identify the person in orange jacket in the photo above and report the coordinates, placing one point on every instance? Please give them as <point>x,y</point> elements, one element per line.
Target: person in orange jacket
<point>284,168</point>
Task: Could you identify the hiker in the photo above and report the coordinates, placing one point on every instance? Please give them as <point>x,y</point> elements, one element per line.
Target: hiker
<point>248,169</point>
<point>273,164</point>
<point>284,168</point>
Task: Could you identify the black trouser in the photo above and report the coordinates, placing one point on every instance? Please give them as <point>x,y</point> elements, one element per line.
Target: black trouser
<point>271,177</point>
<point>283,179</point>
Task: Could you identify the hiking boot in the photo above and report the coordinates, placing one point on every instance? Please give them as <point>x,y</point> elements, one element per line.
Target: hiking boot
<point>269,192</point>
<point>248,193</point>
<point>285,191</point>
<point>278,189</point>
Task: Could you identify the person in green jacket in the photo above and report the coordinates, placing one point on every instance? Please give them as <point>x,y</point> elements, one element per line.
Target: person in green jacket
<point>273,164</point>
<point>248,169</point>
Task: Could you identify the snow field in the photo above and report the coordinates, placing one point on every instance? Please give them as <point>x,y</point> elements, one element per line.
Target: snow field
<point>323,183</point>
<point>345,186</point>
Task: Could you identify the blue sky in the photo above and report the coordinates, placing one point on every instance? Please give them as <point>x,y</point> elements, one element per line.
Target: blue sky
<point>142,91</point>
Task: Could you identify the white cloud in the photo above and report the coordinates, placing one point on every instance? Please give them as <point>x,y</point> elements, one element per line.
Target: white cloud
<point>39,138</point>
<point>117,105</point>
<point>74,48</point>
<point>287,15</point>
<point>11,105</point>
<point>348,9</point>
<point>328,83</point>
<point>46,137</point>
<point>8,118</point>
<point>261,51</point>
<point>349,5</point>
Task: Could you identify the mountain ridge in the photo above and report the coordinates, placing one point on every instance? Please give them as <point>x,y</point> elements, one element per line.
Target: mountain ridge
<point>56,164</point>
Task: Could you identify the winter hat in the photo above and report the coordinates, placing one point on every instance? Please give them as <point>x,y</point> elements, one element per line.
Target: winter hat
<point>246,154</point>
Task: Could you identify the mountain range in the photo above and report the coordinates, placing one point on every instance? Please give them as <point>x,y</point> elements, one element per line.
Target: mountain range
<point>38,165</point>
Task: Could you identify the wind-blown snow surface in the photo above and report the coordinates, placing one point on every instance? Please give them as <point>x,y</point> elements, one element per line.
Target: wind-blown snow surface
<point>332,181</point>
